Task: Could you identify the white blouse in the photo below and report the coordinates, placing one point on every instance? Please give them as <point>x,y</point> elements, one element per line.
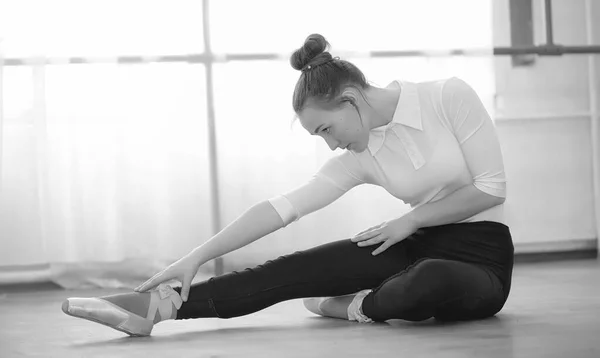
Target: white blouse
<point>440,139</point>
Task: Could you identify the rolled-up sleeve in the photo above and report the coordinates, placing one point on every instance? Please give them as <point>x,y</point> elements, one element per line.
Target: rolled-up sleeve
<point>476,134</point>
<point>332,180</point>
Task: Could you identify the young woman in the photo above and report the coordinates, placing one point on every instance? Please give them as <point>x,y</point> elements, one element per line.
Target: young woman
<point>430,144</point>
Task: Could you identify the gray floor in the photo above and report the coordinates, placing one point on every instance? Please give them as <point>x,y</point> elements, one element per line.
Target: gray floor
<point>552,312</point>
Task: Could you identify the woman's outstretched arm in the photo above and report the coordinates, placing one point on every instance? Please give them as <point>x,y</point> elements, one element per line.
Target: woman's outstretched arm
<point>263,219</point>
<point>258,221</point>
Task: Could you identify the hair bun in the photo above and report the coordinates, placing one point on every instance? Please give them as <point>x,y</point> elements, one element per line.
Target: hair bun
<point>314,45</point>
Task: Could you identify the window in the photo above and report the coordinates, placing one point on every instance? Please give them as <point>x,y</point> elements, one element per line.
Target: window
<point>101,27</point>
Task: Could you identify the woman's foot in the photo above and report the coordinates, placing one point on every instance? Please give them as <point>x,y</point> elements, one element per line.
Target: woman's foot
<point>344,307</point>
<point>133,313</point>
<point>334,307</point>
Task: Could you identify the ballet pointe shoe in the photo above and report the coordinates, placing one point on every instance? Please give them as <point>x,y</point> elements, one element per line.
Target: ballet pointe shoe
<point>104,312</point>
<point>343,307</point>
<point>313,304</point>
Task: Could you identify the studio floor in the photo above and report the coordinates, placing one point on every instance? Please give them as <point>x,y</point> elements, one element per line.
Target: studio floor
<point>553,311</point>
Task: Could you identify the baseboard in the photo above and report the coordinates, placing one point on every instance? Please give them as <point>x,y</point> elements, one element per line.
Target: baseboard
<point>576,249</point>
<point>30,274</point>
<point>29,287</point>
<point>544,247</point>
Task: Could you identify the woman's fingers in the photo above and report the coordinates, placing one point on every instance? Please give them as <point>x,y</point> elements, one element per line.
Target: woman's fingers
<point>153,282</point>
<point>382,248</point>
<point>366,236</point>
<point>372,241</point>
<point>139,288</point>
<point>362,232</point>
<point>185,288</point>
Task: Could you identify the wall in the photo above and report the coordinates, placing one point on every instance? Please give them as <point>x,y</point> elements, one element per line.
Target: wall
<point>544,123</point>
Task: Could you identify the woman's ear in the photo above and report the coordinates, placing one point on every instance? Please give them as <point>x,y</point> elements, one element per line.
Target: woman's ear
<point>350,96</point>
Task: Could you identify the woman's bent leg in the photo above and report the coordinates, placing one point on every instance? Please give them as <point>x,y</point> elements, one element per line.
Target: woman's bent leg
<point>333,269</point>
<point>444,289</point>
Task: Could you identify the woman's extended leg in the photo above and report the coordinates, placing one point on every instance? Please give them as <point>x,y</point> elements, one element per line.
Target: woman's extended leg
<point>333,269</point>
<point>336,268</point>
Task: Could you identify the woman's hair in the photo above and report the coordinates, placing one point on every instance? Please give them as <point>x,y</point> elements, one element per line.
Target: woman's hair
<point>323,77</point>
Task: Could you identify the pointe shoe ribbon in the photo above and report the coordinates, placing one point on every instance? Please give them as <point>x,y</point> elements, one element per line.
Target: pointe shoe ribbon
<point>163,305</point>
<point>354,309</point>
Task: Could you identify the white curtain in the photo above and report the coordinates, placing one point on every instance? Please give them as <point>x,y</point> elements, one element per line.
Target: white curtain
<point>105,166</point>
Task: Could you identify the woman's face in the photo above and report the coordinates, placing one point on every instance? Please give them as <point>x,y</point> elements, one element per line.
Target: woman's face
<point>341,127</point>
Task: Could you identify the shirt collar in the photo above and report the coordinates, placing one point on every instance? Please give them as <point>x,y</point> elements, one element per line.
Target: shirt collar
<point>408,113</point>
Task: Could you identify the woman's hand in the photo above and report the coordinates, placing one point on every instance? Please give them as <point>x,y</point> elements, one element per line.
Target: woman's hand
<point>388,233</point>
<point>183,270</point>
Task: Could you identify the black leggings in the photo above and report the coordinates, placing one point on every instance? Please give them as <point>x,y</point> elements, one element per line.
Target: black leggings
<point>450,272</point>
